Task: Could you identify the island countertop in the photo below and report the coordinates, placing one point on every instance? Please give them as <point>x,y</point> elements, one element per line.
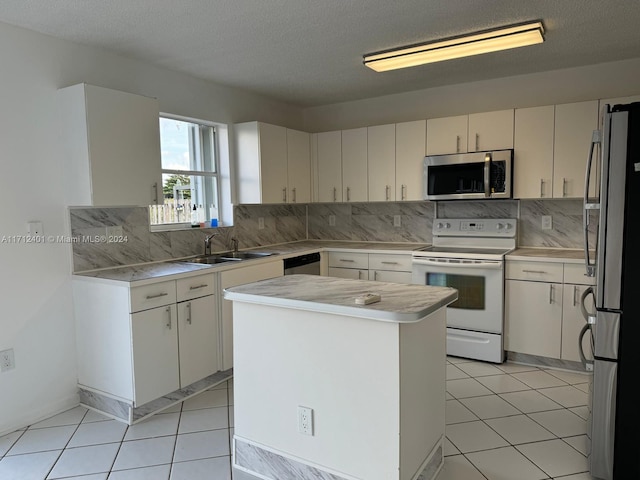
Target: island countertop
<point>399,303</point>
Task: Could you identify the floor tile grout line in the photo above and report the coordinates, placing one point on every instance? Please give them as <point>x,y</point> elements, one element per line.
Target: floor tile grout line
<point>53,466</point>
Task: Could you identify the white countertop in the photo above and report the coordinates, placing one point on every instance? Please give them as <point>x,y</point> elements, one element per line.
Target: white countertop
<point>399,303</point>
<point>152,272</point>
<point>560,255</point>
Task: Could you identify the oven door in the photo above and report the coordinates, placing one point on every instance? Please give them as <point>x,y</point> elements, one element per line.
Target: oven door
<point>480,286</point>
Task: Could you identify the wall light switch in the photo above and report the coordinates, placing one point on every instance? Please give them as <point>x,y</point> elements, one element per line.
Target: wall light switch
<point>547,223</point>
<point>35,228</point>
<point>397,222</point>
<point>260,223</point>
<point>332,220</point>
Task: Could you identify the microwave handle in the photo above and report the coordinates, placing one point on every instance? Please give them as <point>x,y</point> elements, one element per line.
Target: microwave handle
<point>487,174</point>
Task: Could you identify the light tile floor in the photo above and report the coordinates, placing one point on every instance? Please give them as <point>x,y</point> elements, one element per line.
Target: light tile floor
<point>503,422</point>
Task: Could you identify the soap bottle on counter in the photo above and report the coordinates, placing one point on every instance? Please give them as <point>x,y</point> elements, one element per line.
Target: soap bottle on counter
<point>214,216</point>
<point>194,217</point>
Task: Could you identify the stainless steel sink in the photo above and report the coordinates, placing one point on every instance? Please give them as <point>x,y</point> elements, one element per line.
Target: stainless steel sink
<point>223,257</point>
<point>209,259</point>
<point>244,255</point>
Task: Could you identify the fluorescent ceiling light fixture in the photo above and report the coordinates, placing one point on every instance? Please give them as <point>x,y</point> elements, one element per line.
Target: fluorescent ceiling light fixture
<point>456,47</point>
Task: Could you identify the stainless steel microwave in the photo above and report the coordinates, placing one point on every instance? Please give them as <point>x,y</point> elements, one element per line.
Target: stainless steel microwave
<point>469,175</point>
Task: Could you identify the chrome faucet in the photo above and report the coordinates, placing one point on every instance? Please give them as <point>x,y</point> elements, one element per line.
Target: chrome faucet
<point>234,240</point>
<point>207,243</point>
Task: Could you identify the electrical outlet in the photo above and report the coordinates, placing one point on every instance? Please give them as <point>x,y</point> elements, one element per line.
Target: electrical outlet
<point>7,362</point>
<point>114,233</point>
<point>332,220</point>
<point>260,223</point>
<point>547,223</point>
<point>397,221</point>
<point>305,420</point>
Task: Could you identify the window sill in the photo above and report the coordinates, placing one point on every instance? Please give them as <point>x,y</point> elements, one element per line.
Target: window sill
<point>172,227</point>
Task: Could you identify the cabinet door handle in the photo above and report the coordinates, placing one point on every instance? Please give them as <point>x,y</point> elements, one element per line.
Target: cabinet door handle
<point>477,141</point>
<point>293,194</point>
<point>335,194</point>
<point>284,194</point>
<point>533,271</point>
<point>457,143</point>
<point>359,274</point>
<point>348,194</point>
<point>551,293</point>
<point>169,318</point>
<point>189,313</point>
<point>404,192</point>
<point>151,297</point>
<point>389,263</point>
<point>387,189</point>
<point>541,187</point>
<point>375,275</point>
<point>196,287</point>
<point>564,187</point>
<point>155,193</point>
<point>575,291</point>
<point>346,260</point>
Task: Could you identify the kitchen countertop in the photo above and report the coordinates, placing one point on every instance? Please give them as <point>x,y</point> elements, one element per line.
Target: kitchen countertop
<point>399,303</point>
<point>560,255</point>
<point>137,275</point>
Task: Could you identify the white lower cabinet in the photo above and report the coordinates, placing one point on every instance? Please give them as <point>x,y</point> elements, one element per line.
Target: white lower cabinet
<point>543,314</point>
<point>533,318</point>
<point>196,335</point>
<point>140,343</point>
<point>154,345</point>
<point>233,278</point>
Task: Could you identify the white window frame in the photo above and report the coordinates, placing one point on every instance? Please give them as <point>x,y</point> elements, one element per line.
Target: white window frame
<point>215,148</point>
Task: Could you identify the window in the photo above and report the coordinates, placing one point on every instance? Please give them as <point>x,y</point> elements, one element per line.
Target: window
<point>190,174</point>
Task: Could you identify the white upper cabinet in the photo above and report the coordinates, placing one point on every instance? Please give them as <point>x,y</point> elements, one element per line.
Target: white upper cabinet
<point>329,164</point>
<point>112,142</point>
<point>411,140</point>
<point>533,152</point>
<point>381,148</point>
<point>574,125</point>
<point>447,135</point>
<point>298,166</point>
<point>264,171</point>
<point>490,131</point>
<point>354,165</point>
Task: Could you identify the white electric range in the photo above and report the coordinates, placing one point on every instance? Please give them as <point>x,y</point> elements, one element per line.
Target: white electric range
<point>468,254</point>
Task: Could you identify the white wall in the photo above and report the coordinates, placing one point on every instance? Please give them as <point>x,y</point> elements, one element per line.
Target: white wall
<point>35,295</point>
<point>615,79</point>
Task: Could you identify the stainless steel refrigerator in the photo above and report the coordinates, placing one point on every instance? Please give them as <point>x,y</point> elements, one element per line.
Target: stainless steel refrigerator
<point>615,325</point>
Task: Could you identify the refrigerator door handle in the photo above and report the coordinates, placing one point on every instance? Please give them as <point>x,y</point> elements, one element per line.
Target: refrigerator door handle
<point>589,265</point>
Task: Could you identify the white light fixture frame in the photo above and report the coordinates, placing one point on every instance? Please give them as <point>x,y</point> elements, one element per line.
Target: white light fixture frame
<point>494,40</point>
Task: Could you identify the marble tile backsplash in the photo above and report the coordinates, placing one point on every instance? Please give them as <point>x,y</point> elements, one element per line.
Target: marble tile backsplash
<point>373,221</point>
<point>282,223</point>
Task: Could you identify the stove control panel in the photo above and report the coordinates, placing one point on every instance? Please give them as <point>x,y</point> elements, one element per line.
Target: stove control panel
<point>484,227</point>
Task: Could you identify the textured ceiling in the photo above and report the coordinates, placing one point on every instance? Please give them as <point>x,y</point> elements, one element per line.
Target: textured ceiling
<point>309,52</point>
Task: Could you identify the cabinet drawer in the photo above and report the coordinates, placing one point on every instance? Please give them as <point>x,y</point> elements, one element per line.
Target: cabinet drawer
<point>349,260</point>
<point>575,273</point>
<point>535,271</point>
<point>390,261</point>
<point>389,276</point>
<point>194,287</point>
<point>151,296</point>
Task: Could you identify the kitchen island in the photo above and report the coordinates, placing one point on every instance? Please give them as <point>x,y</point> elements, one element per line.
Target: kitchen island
<point>325,388</point>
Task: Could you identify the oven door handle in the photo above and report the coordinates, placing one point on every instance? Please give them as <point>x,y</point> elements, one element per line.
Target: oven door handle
<point>487,175</point>
<point>486,264</point>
